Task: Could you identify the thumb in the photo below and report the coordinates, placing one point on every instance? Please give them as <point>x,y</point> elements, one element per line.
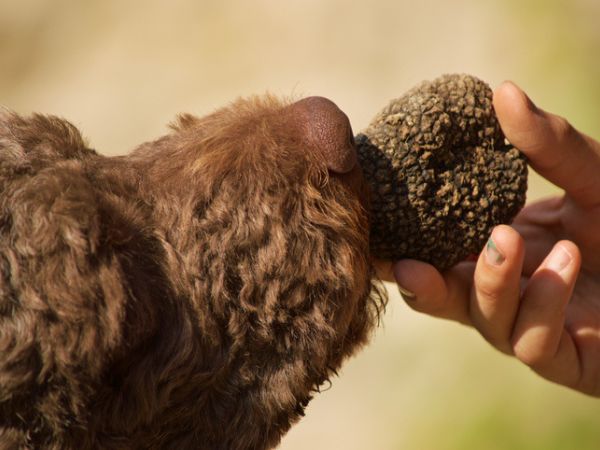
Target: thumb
<point>555,149</point>
<point>426,290</point>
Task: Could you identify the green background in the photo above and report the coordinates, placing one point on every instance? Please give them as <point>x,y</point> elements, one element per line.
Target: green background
<point>122,70</point>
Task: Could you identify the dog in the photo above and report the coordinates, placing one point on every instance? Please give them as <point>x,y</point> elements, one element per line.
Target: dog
<point>193,294</point>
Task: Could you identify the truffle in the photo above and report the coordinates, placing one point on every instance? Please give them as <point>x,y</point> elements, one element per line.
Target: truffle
<point>441,172</point>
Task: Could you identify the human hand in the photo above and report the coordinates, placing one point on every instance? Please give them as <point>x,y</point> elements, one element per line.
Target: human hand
<point>534,291</point>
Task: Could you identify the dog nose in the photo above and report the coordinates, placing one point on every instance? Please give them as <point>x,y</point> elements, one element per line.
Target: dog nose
<point>326,129</point>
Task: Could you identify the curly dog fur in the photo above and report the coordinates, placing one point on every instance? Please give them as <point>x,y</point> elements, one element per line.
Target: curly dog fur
<point>190,295</point>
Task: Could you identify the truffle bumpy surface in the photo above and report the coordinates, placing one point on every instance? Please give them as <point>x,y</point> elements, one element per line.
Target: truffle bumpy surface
<point>440,171</point>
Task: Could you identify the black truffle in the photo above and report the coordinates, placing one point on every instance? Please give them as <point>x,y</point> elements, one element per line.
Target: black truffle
<point>440,171</point>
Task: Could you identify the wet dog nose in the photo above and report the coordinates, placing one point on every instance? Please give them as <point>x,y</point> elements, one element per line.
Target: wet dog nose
<point>326,129</point>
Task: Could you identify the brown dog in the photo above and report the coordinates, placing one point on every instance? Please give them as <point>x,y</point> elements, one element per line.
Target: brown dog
<point>190,295</point>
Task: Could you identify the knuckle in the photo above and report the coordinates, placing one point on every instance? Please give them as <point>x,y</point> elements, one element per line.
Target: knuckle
<point>564,130</point>
<point>532,355</point>
<point>488,289</point>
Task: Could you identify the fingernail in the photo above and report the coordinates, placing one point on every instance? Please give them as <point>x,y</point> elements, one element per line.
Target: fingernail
<point>558,259</point>
<point>492,254</point>
<point>400,275</point>
<point>406,294</point>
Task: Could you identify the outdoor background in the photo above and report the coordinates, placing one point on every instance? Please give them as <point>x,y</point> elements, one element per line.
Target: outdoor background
<point>121,70</point>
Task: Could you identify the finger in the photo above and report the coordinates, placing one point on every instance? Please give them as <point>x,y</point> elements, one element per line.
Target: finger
<point>495,299</point>
<point>538,243</point>
<point>537,336</point>
<point>555,149</point>
<point>565,367</point>
<point>540,225</point>
<point>427,290</point>
<point>546,212</point>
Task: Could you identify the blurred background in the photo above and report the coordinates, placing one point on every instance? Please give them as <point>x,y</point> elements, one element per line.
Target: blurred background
<point>120,71</point>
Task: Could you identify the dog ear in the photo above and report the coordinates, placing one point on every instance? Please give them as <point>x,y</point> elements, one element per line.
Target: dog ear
<point>5,113</point>
<point>325,129</point>
<point>183,121</point>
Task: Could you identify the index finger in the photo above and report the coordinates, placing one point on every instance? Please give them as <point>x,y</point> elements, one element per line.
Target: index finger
<point>555,149</point>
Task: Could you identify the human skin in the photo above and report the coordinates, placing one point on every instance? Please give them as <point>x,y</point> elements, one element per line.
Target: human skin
<point>534,291</point>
